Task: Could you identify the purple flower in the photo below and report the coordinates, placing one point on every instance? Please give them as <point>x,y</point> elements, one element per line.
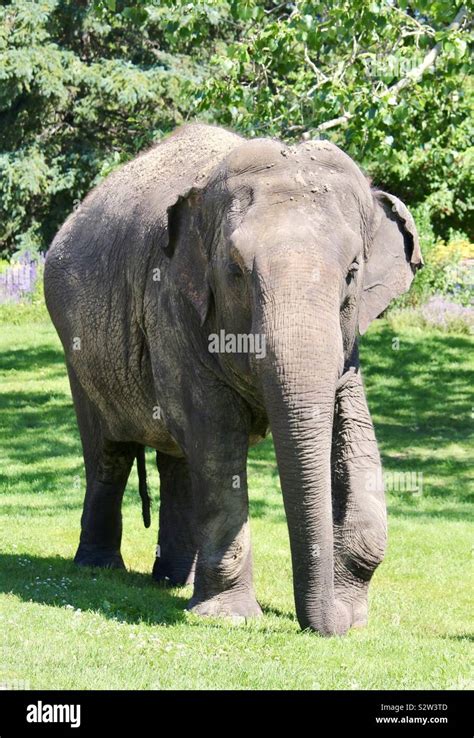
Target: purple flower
<point>19,278</point>
<point>440,312</point>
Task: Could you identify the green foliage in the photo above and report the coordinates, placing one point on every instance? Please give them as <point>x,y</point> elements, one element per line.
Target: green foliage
<point>301,65</point>
<point>442,274</point>
<point>447,267</point>
<point>23,313</point>
<point>85,86</point>
<point>79,94</point>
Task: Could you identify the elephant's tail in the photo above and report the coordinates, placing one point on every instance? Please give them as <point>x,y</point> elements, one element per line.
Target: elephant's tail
<point>143,486</point>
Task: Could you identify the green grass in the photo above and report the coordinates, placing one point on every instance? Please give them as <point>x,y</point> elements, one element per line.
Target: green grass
<point>67,628</point>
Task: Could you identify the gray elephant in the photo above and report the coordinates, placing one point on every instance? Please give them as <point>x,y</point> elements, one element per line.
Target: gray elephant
<point>204,292</point>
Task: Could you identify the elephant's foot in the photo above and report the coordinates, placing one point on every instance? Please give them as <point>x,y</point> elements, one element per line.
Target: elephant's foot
<point>234,605</point>
<point>354,597</point>
<point>172,575</point>
<point>89,554</point>
<point>329,620</point>
<point>360,614</point>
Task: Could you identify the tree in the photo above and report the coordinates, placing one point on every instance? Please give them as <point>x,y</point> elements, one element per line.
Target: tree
<point>84,86</point>
<point>389,84</point>
<point>79,94</point>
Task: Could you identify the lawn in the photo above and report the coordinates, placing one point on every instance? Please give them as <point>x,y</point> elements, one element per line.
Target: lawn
<point>66,628</point>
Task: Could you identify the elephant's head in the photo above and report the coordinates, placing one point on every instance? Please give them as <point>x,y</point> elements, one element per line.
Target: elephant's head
<point>293,244</point>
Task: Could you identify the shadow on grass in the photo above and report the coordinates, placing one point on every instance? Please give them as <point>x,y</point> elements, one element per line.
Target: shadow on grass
<point>270,610</point>
<point>423,387</point>
<point>419,397</point>
<point>272,511</point>
<point>35,357</point>
<point>421,401</point>
<point>460,637</point>
<point>128,597</point>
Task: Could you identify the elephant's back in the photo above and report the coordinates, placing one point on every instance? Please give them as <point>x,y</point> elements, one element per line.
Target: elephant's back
<point>131,203</point>
<point>182,160</point>
<point>97,262</point>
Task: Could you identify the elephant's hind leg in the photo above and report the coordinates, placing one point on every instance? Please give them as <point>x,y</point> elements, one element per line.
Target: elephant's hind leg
<point>108,465</point>
<point>359,509</point>
<point>176,554</point>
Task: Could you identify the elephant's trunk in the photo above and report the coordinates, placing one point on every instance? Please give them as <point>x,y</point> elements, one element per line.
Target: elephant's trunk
<point>303,361</point>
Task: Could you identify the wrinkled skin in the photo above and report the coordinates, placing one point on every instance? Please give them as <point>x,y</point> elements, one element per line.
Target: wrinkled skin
<point>253,237</point>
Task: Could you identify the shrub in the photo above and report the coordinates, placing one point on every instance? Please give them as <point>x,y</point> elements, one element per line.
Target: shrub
<point>438,313</point>
<point>18,280</point>
<point>21,290</point>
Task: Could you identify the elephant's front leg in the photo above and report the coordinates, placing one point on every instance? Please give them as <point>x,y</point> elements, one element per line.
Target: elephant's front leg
<point>223,577</point>
<point>359,507</point>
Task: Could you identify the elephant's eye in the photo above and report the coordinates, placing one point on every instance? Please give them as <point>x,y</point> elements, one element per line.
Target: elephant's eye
<point>354,267</point>
<point>235,270</point>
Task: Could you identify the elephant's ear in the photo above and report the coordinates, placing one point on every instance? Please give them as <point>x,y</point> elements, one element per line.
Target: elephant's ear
<point>185,249</point>
<point>394,257</point>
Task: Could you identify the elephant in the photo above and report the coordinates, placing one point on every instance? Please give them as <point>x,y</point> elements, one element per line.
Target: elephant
<point>210,235</point>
